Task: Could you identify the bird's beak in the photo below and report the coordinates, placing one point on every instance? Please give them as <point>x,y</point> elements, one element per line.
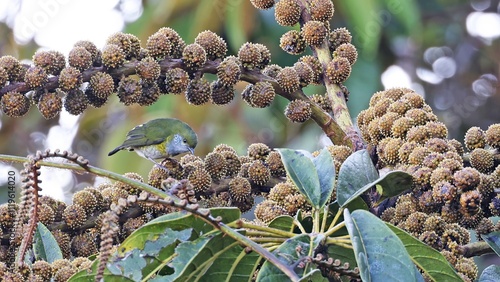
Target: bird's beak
<point>191,150</point>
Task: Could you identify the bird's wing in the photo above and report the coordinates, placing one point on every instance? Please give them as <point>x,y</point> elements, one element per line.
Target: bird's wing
<point>137,137</point>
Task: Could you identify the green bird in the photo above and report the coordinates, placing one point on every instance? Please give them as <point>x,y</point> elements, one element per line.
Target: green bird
<point>159,138</point>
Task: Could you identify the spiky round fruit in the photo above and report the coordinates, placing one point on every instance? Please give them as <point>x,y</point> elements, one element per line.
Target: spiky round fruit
<point>258,151</point>
<point>314,33</point>
<point>112,56</point>
<point>121,40</point>
<point>348,51</point>
<point>292,42</point>
<point>221,94</point>
<point>268,210</point>
<point>194,56</point>
<point>130,189</point>
<point>83,245</point>
<point>129,90</point>
<point>421,177</point>
<point>315,65</point>
<point>89,47</point>
<point>50,104</point>
<point>265,56</point>
<point>437,129</point>
<point>415,222</point>
<point>80,58</point>
<point>304,72</point>
<point>287,12</point>
<point>399,106</point>
<point>492,136</point>
<point>322,101</point>
<point>75,102</point>
<point>250,56</point>
<point>275,164</point>
<point>74,216</point>
<point>213,44</point>
<point>12,66</point>
<point>69,78</point>
<point>451,164</point>
<point>466,179</point>
<point>228,72</point>
<point>64,273</point>
<point>150,94</point>
<point>432,160</point>
<point>261,95</point>
<point>35,77</point>
<point>484,227</point>
<point>215,164</point>
<point>401,126</point>
<point>405,150</point>
<point>262,4</point>
<point>7,215</point>
<point>321,10</point>
<point>239,189</point>
<point>468,267</point>
<point>390,151</point>
<point>474,138</point>
<point>200,179</point>
<point>198,91</point>
<point>338,37</point>
<point>470,203</point>
<point>46,214</point>
<point>298,111</point>
<point>42,269</point>
<point>444,191</point>
<point>280,191</point>
<point>176,80</point>
<point>176,42</point>
<point>419,134</point>
<point>159,46</point>
<point>441,174</point>
<point>233,163</point>
<point>14,104</point>
<point>482,160</point>
<point>148,69</point>
<point>288,80</point>
<point>102,85</point>
<point>258,173</point>
<point>45,60</point>
<point>93,100</point>
<point>338,70</point>
<point>385,123</point>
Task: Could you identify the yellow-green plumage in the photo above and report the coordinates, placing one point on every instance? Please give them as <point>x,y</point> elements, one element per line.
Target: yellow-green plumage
<point>159,138</point>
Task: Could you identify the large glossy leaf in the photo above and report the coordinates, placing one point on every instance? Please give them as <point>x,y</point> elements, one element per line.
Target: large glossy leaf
<point>283,222</point>
<point>355,174</point>
<point>290,253</point>
<point>45,246</point>
<point>432,262</point>
<point>393,184</point>
<point>493,239</point>
<point>302,171</point>
<point>490,274</point>
<point>325,169</point>
<point>380,254</point>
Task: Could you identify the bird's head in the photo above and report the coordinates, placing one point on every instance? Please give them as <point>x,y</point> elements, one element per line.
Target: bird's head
<point>183,142</point>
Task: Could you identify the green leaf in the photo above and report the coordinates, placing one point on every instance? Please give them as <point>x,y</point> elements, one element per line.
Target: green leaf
<point>291,252</point>
<point>428,259</point>
<point>380,254</point>
<point>355,174</point>
<point>325,168</point>
<point>493,239</point>
<point>392,184</point>
<point>45,246</point>
<point>408,13</point>
<point>490,274</point>
<point>283,222</point>
<point>302,171</point>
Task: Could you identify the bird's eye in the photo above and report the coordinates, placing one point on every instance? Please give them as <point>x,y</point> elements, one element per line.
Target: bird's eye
<point>184,140</point>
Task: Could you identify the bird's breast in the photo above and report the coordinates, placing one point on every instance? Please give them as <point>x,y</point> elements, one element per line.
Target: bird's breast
<point>153,151</point>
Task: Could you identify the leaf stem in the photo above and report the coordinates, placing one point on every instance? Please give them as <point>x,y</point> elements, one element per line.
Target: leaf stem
<point>271,230</point>
<point>336,218</point>
<point>334,229</point>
